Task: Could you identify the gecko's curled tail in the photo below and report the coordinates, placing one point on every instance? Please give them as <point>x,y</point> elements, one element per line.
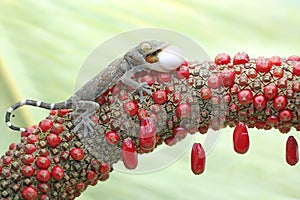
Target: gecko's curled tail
<point>40,104</point>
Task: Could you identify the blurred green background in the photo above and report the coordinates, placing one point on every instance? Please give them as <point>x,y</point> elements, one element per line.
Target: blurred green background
<point>44,43</point>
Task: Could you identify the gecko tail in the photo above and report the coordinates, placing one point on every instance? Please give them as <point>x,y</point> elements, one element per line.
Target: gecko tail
<point>28,102</point>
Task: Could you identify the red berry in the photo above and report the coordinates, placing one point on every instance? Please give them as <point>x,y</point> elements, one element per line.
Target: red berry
<point>112,137</point>
<point>27,171</point>
<point>12,146</point>
<point>43,175</point>
<point>57,128</point>
<point>62,112</point>
<point>291,153</point>
<point>185,63</point>
<point>31,139</point>
<point>234,90</point>
<point>275,60</point>
<point>104,168</point>
<point>28,159</point>
<point>285,115</point>
<point>42,162</point>
<point>293,58</point>
<point>279,102</point>
<point>228,78</point>
<point>240,138</point>
<point>53,140</point>
<point>164,78</point>
<point>263,65</point>
<point>45,125</point>
<point>160,96</point>
<point>53,112</point>
<point>226,98</point>
<point>243,80</point>
<point>234,108</point>
<point>296,69</point>
<point>147,134</point>
<point>273,120</point>
<point>131,108</point>
<point>205,93</point>
<point>104,177</point>
<point>179,132</point>
<point>77,153</point>
<point>142,114</point>
<point>222,59</point>
<point>177,97</point>
<point>129,154</point>
<point>170,89</point>
<point>57,173</point>
<point>29,193</point>
<point>296,86</point>
<point>215,100</point>
<point>182,72</point>
<point>170,141</point>
<point>190,100</point>
<point>101,100</point>
<point>198,159</point>
<point>91,175</point>
<point>203,129</point>
<point>116,90</point>
<point>183,110</point>
<point>241,58</point>
<point>270,91</point>
<point>80,186</point>
<point>278,73</point>
<point>6,160</point>
<point>260,102</point>
<point>44,187</point>
<point>214,82</point>
<point>123,95</point>
<point>29,148</point>
<point>148,79</point>
<point>252,73</point>
<point>245,97</point>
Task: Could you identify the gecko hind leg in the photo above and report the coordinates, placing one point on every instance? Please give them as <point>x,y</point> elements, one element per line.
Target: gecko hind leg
<point>139,87</point>
<point>84,110</point>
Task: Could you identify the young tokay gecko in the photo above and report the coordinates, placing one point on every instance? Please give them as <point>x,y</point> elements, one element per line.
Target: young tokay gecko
<point>145,56</point>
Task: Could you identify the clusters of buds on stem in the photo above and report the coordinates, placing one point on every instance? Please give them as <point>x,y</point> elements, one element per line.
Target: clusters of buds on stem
<point>53,162</point>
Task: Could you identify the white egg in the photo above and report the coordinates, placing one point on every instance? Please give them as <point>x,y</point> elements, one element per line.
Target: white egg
<point>171,57</point>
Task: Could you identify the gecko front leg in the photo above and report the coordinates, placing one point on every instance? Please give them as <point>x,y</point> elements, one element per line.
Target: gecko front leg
<point>83,111</point>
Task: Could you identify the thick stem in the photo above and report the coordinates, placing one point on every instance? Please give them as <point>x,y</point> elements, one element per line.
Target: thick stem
<point>52,162</point>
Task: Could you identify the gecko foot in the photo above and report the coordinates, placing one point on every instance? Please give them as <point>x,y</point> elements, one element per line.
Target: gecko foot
<point>84,121</point>
<point>144,87</point>
<point>83,111</point>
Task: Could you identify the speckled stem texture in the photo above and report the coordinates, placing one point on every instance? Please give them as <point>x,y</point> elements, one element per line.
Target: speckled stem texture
<point>52,162</point>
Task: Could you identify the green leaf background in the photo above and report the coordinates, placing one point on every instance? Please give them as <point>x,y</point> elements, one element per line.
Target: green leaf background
<point>44,43</point>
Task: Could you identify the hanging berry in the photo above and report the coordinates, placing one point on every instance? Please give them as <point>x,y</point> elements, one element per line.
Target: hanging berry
<point>240,138</point>
<point>147,134</point>
<point>291,154</point>
<point>198,159</point>
<point>129,154</point>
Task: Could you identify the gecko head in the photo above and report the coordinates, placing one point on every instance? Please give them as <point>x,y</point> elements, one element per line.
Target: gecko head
<point>164,58</point>
<point>151,49</point>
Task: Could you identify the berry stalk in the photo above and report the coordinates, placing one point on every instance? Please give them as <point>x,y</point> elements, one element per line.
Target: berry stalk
<point>53,162</point>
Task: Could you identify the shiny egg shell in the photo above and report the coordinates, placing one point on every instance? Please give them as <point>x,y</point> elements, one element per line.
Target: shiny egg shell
<point>171,57</point>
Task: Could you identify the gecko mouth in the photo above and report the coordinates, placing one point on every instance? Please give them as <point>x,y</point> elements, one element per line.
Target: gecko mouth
<point>153,57</point>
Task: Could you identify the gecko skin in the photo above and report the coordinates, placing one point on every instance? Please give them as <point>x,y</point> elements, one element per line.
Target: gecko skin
<point>142,57</point>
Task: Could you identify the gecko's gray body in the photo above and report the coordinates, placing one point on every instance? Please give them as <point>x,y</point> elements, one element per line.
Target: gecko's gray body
<point>84,99</point>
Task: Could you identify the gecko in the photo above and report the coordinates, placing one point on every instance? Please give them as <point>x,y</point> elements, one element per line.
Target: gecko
<point>142,57</point>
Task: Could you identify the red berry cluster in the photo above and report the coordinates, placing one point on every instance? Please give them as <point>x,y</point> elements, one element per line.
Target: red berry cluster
<point>53,162</point>
<point>49,163</point>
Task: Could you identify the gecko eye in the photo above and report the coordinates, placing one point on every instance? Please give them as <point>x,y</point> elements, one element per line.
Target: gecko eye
<point>145,47</point>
